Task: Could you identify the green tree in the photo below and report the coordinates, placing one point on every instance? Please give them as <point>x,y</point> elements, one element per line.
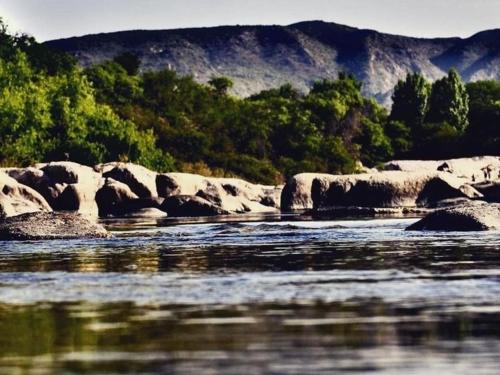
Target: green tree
<point>410,100</point>
<point>221,85</point>
<point>449,102</point>
<point>129,61</point>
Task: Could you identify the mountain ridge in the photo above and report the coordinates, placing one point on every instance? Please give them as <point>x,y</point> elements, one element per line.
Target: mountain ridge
<point>259,57</point>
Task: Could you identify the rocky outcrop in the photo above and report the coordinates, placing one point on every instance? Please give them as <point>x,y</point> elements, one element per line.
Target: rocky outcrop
<point>16,198</point>
<point>229,194</point>
<point>474,169</point>
<point>296,194</point>
<point>477,216</point>
<point>191,206</point>
<point>141,180</point>
<point>382,190</point>
<point>50,226</point>
<point>66,186</point>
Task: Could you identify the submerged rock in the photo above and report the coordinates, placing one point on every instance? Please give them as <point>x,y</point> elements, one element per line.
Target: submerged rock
<point>475,216</point>
<point>190,206</point>
<point>50,226</point>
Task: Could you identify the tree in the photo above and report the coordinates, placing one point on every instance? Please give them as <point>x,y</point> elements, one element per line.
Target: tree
<point>449,102</point>
<point>221,85</point>
<point>409,101</point>
<point>129,61</point>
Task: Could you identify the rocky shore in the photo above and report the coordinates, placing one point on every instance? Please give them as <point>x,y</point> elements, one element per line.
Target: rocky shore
<point>129,190</point>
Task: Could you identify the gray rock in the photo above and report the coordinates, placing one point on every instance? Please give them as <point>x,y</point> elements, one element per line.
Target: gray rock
<point>141,180</point>
<point>473,216</point>
<point>16,198</point>
<point>230,194</point>
<point>50,226</point>
<point>111,197</point>
<point>190,206</point>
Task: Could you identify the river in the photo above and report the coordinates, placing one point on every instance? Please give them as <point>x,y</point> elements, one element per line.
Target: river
<point>273,295</point>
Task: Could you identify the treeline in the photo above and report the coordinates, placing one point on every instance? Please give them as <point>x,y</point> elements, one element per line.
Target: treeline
<point>51,109</point>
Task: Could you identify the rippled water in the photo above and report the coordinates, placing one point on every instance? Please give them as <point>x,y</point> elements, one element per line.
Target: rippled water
<point>280,296</point>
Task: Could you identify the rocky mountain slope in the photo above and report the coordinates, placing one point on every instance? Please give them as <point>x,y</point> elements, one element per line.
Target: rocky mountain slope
<point>263,57</point>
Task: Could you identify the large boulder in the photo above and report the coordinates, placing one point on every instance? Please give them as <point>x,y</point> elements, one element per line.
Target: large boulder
<point>16,198</point>
<point>66,186</point>
<point>296,194</point>
<point>475,216</point>
<point>50,226</point>
<point>389,189</point>
<point>112,196</point>
<point>80,184</point>
<point>190,206</point>
<point>229,194</point>
<point>141,180</point>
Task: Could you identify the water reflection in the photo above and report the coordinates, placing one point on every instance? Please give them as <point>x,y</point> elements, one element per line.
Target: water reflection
<point>276,297</point>
<point>356,336</point>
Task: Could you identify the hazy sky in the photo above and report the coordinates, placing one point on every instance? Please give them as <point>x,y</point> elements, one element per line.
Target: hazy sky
<point>49,19</point>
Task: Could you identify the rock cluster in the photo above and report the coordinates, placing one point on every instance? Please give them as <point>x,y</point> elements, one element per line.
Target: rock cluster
<point>126,189</point>
<point>399,184</point>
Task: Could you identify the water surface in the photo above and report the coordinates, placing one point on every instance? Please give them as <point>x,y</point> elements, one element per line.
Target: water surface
<point>280,296</point>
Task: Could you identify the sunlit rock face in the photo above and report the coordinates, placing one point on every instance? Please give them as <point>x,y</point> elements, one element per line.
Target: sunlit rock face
<point>264,57</point>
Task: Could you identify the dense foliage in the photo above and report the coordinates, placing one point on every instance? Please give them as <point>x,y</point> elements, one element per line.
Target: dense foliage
<point>51,113</point>
<point>51,109</point>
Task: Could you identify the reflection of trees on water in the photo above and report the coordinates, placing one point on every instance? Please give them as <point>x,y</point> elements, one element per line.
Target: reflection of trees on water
<point>27,333</point>
<point>314,257</point>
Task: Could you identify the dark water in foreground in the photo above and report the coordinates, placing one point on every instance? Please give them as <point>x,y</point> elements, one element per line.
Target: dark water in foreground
<point>285,297</point>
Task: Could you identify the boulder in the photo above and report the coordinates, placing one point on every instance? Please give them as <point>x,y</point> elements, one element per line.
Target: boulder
<point>388,189</point>
<point>113,195</point>
<point>66,186</point>
<point>141,180</point>
<point>50,226</point>
<point>473,216</point>
<point>16,198</point>
<point>146,213</point>
<point>230,194</point>
<point>79,187</point>
<point>296,194</point>
<point>190,206</point>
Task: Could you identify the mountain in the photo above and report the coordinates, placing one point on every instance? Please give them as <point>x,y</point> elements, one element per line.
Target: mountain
<point>263,57</point>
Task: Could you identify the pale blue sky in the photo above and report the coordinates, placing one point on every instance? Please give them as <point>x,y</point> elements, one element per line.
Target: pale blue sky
<point>49,19</point>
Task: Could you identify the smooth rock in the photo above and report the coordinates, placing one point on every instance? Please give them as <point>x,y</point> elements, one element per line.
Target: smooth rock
<point>50,226</point>
<point>16,198</point>
<point>474,216</point>
<point>296,194</point>
<point>79,185</point>
<point>190,206</point>
<point>388,189</point>
<point>111,197</point>
<point>230,194</point>
<point>141,180</point>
